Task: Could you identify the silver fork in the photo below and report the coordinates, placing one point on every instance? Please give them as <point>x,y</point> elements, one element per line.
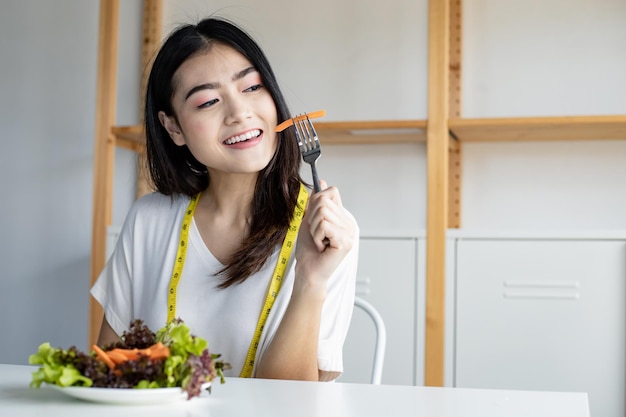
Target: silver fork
<point>309,146</point>
<point>310,149</point>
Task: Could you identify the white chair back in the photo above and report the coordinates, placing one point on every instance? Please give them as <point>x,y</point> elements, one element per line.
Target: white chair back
<point>381,339</point>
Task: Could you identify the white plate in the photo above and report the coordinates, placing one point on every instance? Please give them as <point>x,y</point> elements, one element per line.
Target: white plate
<point>126,395</point>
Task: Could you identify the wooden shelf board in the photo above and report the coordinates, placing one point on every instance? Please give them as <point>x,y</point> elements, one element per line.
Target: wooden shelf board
<point>332,133</point>
<point>129,137</point>
<point>372,132</point>
<point>466,130</point>
<point>539,128</point>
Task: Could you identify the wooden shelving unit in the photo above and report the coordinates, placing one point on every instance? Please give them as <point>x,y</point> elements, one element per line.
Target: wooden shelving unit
<point>444,133</point>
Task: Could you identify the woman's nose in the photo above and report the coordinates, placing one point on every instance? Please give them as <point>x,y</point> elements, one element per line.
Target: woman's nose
<point>238,109</point>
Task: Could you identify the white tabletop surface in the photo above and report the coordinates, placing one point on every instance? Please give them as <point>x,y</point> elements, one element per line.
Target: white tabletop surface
<point>257,397</point>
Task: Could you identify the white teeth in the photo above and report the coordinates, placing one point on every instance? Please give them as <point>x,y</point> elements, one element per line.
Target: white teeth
<point>249,135</point>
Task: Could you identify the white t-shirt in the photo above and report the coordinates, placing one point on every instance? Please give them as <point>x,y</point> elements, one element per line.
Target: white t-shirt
<point>135,282</point>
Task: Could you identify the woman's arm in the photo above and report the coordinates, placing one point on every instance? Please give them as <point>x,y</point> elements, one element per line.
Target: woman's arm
<point>107,334</point>
<point>292,353</point>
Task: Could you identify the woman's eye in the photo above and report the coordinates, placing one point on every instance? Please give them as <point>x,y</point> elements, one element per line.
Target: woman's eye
<point>254,87</point>
<point>207,104</point>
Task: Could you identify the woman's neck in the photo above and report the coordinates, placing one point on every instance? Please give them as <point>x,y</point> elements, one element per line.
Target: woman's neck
<point>231,193</point>
<point>223,215</point>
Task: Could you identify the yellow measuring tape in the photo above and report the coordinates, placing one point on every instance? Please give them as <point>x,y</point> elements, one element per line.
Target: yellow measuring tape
<point>275,284</point>
<point>179,263</point>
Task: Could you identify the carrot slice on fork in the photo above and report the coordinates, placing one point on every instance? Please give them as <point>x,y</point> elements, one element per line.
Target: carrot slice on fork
<point>289,122</point>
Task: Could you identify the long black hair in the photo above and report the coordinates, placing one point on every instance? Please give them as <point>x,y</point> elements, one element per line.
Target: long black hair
<point>174,170</point>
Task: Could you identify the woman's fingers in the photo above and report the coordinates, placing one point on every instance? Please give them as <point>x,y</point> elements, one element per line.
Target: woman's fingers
<point>325,222</point>
<point>327,218</point>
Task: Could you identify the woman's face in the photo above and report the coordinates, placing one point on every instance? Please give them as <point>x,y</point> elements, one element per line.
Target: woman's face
<point>224,114</point>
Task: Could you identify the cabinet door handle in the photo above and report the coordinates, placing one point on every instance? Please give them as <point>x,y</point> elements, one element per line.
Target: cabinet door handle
<point>564,290</point>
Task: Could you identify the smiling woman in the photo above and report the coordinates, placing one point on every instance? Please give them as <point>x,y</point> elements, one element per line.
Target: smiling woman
<point>231,242</point>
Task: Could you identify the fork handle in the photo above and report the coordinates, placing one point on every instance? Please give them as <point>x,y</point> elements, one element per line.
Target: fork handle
<point>316,180</point>
<point>316,188</point>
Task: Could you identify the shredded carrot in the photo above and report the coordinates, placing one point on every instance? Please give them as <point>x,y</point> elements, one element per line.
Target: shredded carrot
<point>117,356</point>
<point>159,351</point>
<point>102,355</point>
<point>289,122</point>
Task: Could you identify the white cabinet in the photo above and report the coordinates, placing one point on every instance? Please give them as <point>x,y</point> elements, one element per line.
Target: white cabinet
<point>542,314</point>
<point>387,279</point>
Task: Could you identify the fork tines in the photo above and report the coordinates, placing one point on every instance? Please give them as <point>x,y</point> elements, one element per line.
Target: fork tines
<point>309,146</point>
<point>306,131</point>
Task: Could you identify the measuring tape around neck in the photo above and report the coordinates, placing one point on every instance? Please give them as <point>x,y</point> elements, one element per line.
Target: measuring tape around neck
<point>275,284</point>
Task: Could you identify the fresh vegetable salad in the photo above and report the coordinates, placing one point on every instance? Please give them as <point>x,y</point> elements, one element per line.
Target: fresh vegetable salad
<point>171,357</point>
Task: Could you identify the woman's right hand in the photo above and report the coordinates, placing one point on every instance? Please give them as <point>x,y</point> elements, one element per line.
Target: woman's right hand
<point>324,218</point>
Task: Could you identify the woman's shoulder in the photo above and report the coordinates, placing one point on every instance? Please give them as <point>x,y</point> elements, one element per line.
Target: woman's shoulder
<point>157,207</point>
<point>161,201</point>
<point>152,227</point>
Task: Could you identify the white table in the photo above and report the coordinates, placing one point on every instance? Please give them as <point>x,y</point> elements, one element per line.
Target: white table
<point>257,397</point>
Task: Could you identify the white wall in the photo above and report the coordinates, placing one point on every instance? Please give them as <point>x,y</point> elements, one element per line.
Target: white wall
<point>547,57</point>
<point>544,58</point>
<point>47,109</point>
<point>48,69</point>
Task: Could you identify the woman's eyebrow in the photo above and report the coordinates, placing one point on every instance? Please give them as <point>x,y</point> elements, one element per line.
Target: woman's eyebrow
<point>243,73</point>
<point>211,86</point>
<point>207,86</point>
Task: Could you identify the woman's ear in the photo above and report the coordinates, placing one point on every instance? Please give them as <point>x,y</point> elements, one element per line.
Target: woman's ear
<point>171,125</point>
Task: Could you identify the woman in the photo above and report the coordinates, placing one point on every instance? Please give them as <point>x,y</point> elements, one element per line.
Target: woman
<point>208,244</point>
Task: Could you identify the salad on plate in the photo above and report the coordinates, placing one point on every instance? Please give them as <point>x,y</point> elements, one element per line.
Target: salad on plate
<point>168,358</point>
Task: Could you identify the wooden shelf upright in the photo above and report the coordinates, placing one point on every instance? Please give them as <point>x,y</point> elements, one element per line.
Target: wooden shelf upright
<point>104,149</point>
